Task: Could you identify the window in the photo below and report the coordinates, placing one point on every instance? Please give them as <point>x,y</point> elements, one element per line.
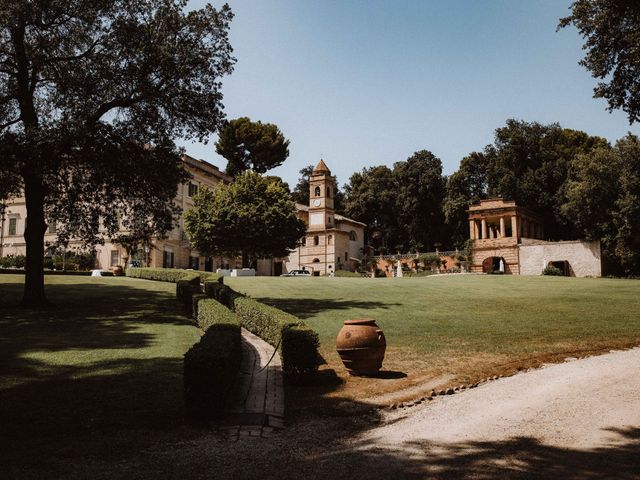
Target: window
<point>193,189</point>
<point>328,192</point>
<point>346,256</point>
<point>13,222</point>
<point>167,259</point>
<point>304,241</point>
<point>115,258</point>
<point>352,236</point>
<point>316,260</point>
<point>194,262</point>
<point>330,239</point>
<point>51,226</point>
<point>317,191</point>
<point>316,240</point>
<point>328,219</point>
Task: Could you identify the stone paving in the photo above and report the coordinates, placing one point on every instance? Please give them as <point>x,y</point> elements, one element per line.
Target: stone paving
<point>256,404</point>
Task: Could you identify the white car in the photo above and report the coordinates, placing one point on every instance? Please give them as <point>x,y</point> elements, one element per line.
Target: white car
<point>297,273</point>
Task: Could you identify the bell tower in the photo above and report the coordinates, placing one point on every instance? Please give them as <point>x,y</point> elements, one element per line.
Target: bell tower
<point>321,191</point>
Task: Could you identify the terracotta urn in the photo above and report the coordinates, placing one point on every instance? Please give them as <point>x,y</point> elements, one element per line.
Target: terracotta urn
<point>361,345</point>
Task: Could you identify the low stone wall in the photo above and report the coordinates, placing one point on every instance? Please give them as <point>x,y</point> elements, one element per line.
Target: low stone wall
<point>584,258</point>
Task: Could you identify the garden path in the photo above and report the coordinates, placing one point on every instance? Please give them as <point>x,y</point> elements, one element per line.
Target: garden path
<point>256,403</point>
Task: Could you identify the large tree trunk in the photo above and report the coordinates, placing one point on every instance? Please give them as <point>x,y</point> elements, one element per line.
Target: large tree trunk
<point>35,228</point>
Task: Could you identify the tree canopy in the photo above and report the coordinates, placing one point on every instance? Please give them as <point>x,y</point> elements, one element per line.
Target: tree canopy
<point>401,206</point>
<point>253,216</point>
<point>611,29</point>
<point>92,94</point>
<point>251,145</point>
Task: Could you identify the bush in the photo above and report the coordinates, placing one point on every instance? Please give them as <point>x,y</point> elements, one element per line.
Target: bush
<point>347,273</point>
<point>171,274</point>
<point>13,261</point>
<point>212,289</point>
<point>211,312</point>
<point>299,342</point>
<point>186,287</point>
<point>430,260</point>
<point>195,299</point>
<point>553,271</point>
<point>210,369</point>
<point>228,296</point>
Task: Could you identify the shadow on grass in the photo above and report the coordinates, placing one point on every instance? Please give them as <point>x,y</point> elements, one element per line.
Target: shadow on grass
<point>308,307</point>
<point>83,316</point>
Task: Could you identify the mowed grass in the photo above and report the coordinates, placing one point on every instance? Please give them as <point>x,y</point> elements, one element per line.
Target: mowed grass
<point>97,374</point>
<point>460,328</point>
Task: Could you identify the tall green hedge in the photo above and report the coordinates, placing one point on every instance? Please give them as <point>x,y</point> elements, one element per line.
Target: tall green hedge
<point>170,274</point>
<point>299,343</point>
<point>210,369</point>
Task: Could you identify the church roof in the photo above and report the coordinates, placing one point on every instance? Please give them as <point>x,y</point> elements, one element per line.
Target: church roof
<point>321,167</point>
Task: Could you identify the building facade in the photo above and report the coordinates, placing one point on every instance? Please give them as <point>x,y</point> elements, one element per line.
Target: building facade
<point>510,239</point>
<point>174,251</point>
<point>333,242</point>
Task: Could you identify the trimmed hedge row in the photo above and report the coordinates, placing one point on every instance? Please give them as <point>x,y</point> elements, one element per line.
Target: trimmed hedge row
<point>171,274</point>
<point>210,368</point>
<point>299,343</point>
<point>212,364</point>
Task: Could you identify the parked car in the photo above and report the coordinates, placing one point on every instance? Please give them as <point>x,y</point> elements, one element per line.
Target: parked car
<point>297,273</point>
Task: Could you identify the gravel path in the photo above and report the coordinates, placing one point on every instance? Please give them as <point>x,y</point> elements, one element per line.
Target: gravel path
<point>579,419</point>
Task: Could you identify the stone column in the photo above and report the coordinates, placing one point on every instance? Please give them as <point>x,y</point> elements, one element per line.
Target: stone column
<point>514,226</point>
<point>484,228</point>
<point>502,230</point>
<point>472,229</point>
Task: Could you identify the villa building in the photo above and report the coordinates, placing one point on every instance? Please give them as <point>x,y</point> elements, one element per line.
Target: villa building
<point>172,251</point>
<point>510,238</point>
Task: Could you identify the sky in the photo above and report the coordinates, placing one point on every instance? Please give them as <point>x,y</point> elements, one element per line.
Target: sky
<point>365,83</point>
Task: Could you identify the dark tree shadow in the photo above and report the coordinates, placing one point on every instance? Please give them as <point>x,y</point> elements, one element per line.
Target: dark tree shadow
<point>308,307</point>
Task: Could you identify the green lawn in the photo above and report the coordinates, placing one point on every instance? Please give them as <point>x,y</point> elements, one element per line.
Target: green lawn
<point>463,327</point>
<point>97,373</point>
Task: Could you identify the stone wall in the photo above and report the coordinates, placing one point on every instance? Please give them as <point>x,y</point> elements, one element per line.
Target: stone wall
<point>584,258</point>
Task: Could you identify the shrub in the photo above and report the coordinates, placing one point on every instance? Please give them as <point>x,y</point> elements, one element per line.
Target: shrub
<point>13,261</point>
<point>553,271</point>
<point>186,287</point>
<point>347,273</point>
<point>210,369</point>
<point>211,312</point>
<point>431,260</point>
<point>212,289</point>
<point>299,343</point>
<point>299,350</point>
<point>195,299</point>
<point>170,274</point>
<point>228,296</point>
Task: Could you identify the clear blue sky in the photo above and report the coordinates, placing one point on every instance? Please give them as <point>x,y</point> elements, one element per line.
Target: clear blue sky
<point>370,82</point>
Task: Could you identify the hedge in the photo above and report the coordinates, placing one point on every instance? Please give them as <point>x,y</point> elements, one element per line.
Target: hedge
<point>299,343</point>
<point>171,274</point>
<point>212,288</point>
<point>210,369</point>
<point>211,312</point>
<point>195,299</point>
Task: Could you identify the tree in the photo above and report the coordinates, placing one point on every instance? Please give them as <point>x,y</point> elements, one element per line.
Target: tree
<point>529,163</point>
<point>603,201</point>
<point>611,29</point>
<point>419,195</point>
<point>251,145</point>
<point>92,94</point>
<point>254,216</point>
<point>370,197</point>
<point>465,187</point>
<point>301,191</point>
